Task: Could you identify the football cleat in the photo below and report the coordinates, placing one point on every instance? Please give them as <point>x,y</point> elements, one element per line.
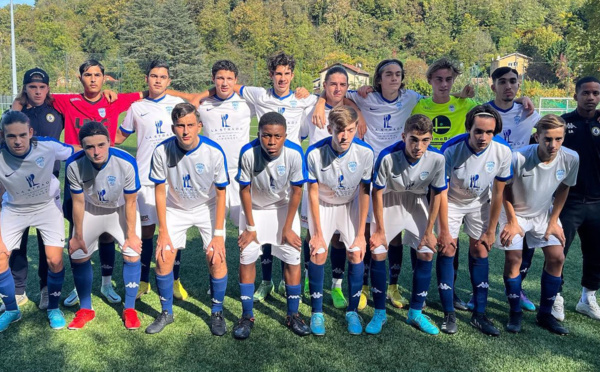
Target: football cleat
<point>558,308</point>
<point>514,322</point>
<point>143,289</point>
<point>242,329</point>
<point>109,293</point>
<point>9,317</point>
<point>339,301</point>
<point>82,317</point>
<point>376,324</point>
<point>449,323</point>
<point>72,299</point>
<point>161,321</point>
<point>354,323</point>
<point>43,305</point>
<point>549,322</point>
<point>395,296</point>
<point>178,291</point>
<point>526,303</point>
<point>297,324</point>
<point>422,322</point>
<point>56,319</point>
<point>130,319</point>
<point>317,324</point>
<point>364,295</point>
<point>218,327</point>
<point>485,325</point>
<point>264,290</point>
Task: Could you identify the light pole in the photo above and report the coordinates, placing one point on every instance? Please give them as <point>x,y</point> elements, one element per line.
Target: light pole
<point>12,43</point>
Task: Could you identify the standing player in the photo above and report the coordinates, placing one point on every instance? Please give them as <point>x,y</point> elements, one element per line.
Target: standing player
<point>478,164</point>
<point>32,198</point>
<point>195,169</point>
<point>339,176</point>
<point>151,119</point>
<point>271,174</point>
<point>403,175</point>
<point>530,213</point>
<point>103,182</point>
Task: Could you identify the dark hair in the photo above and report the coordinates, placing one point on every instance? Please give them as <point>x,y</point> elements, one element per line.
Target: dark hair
<point>226,65</point>
<point>378,71</point>
<point>418,123</point>
<point>182,109</point>
<point>272,118</point>
<point>281,59</point>
<point>483,111</point>
<point>583,80</point>
<point>92,128</point>
<point>158,63</point>
<point>336,70</point>
<point>90,63</point>
<point>501,71</point>
<point>11,117</point>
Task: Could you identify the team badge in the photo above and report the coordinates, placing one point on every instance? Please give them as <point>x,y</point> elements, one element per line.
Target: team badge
<point>517,120</point>
<point>199,168</point>
<point>281,170</point>
<point>423,175</point>
<point>352,166</point>
<point>111,180</point>
<point>596,131</point>
<point>490,166</point>
<point>451,108</point>
<point>399,105</point>
<point>169,109</point>
<point>40,162</point>
<point>102,112</point>
<point>293,103</point>
<point>236,105</point>
<point>560,174</point>
<point>50,118</point>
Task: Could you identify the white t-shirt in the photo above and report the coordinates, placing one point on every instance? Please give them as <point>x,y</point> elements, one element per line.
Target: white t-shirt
<point>516,128</point>
<point>311,131</point>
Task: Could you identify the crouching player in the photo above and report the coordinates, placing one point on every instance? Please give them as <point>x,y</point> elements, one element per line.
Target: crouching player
<point>32,198</point>
<point>404,173</point>
<point>196,171</point>
<point>271,173</point>
<point>103,182</point>
<point>339,176</point>
<point>530,213</point>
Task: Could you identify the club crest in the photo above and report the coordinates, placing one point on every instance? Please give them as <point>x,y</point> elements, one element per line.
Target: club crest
<point>200,168</point>
<point>111,180</point>
<point>560,174</point>
<point>102,112</point>
<point>281,170</point>
<point>40,162</point>
<point>352,166</point>
<point>490,166</point>
<point>423,175</point>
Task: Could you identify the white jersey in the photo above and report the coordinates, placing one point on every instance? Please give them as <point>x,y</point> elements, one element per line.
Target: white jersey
<point>227,122</point>
<point>289,106</point>
<point>28,179</point>
<point>534,182</point>
<point>339,176</point>
<point>472,174</point>
<point>516,127</point>
<point>103,187</point>
<point>191,175</point>
<point>270,179</point>
<point>151,119</point>
<point>311,131</point>
<point>396,174</point>
<point>385,119</point>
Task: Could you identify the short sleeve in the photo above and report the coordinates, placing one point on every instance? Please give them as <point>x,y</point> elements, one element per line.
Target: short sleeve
<point>128,124</point>
<point>61,101</point>
<point>75,184</point>
<point>62,150</point>
<point>571,178</point>
<point>448,158</point>
<point>311,166</point>
<point>297,169</point>
<point>157,166</point>
<point>221,174</point>
<point>368,169</point>
<point>132,178</point>
<point>244,175</point>
<point>381,171</point>
<point>304,131</point>
<point>439,182</point>
<point>505,171</point>
<point>252,94</point>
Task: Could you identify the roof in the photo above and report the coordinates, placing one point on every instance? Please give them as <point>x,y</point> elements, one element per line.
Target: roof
<point>347,66</point>
<point>514,55</point>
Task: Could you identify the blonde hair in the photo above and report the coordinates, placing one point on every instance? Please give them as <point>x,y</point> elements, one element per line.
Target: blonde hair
<point>550,121</point>
<point>342,116</point>
<point>442,64</point>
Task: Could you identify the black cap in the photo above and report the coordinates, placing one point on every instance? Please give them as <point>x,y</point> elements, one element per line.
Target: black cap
<point>36,75</point>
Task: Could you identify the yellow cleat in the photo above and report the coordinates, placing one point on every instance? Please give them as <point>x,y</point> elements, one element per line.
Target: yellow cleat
<point>178,291</point>
<point>395,297</point>
<point>143,289</point>
<point>364,295</point>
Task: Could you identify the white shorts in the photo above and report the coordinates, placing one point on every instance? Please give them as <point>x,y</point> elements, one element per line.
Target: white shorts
<point>342,219</point>
<point>233,202</point>
<point>97,221</point>
<point>48,220</point>
<point>268,223</point>
<point>534,229</point>
<point>147,205</point>
<point>180,220</point>
<point>405,212</point>
<point>476,219</point>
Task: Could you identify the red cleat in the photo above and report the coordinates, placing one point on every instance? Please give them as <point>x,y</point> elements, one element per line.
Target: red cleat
<point>130,319</point>
<point>81,318</point>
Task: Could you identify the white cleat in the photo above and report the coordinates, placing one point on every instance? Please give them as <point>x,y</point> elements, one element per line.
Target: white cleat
<point>590,309</point>
<point>558,309</point>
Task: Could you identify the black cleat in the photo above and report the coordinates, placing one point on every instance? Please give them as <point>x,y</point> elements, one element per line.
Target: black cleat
<point>218,327</point>
<point>297,325</point>
<point>161,321</point>
<point>459,304</point>
<point>550,323</point>
<point>242,329</point>
<point>449,324</point>
<point>482,323</point>
<point>514,322</point>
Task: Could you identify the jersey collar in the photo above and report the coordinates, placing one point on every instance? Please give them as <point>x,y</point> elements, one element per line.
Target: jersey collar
<point>387,101</point>
<point>472,150</point>
<point>226,99</point>
<point>156,100</point>
<point>339,156</point>
<point>278,97</point>
<point>188,152</point>
<point>491,103</point>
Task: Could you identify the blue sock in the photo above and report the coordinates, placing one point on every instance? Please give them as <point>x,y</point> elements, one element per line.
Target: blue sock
<point>266,263</point>
<point>106,251</point>
<point>445,276</point>
<point>217,292</point>
<point>293,298</point>
<point>7,290</point>
<point>306,252</point>
<point>367,265</point>
<point>338,263</point>
<point>550,286</point>
<point>131,278</point>
<point>316,274</point>
<point>246,295</point>
<point>420,286</point>
<point>164,284</point>
<point>479,280</point>
<point>527,258</point>
<point>146,259</point>
<point>177,265</point>
<point>83,276</point>
<point>55,283</point>
<point>513,292</point>
<point>378,283</point>
<point>355,279</point>
<point>395,257</point>
<point>413,259</point>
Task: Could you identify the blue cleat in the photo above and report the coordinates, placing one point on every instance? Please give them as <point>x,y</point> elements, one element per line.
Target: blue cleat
<point>354,323</point>
<point>9,317</point>
<point>317,324</point>
<point>471,303</point>
<point>526,304</point>
<point>376,324</point>
<point>421,322</point>
<point>57,319</point>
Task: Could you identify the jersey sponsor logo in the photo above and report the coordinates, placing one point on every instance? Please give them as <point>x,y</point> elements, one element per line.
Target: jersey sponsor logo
<point>281,110</point>
<point>441,124</point>
<point>200,168</point>
<point>281,170</point>
<point>102,196</point>
<point>102,112</point>
<point>78,123</point>
<point>386,121</point>
<point>490,166</point>
<point>423,176</point>
<point>111,180</point>
<point>352,166</point>
<point>31,181</point>
<point>158,125</point>
<point>340,181</point>
<point>506,135</point>
<point>186,181</point>
<point>560,174</point>
<point>50,118</point>
<point>474,182</point>
<point>224,118</point>
<point>40,162</point>
<point>596,131</point>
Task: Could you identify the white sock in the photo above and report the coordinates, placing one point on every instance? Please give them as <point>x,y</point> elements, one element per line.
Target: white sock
<point>106,280</point>
<point>587,293</point>
<point>336,283</point>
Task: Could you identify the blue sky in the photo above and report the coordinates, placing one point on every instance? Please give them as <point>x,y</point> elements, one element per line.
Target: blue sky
<point>4,3</point>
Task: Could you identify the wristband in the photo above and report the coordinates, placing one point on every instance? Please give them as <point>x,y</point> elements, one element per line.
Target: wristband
<point>219,232</point>
<point>251,228</point>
